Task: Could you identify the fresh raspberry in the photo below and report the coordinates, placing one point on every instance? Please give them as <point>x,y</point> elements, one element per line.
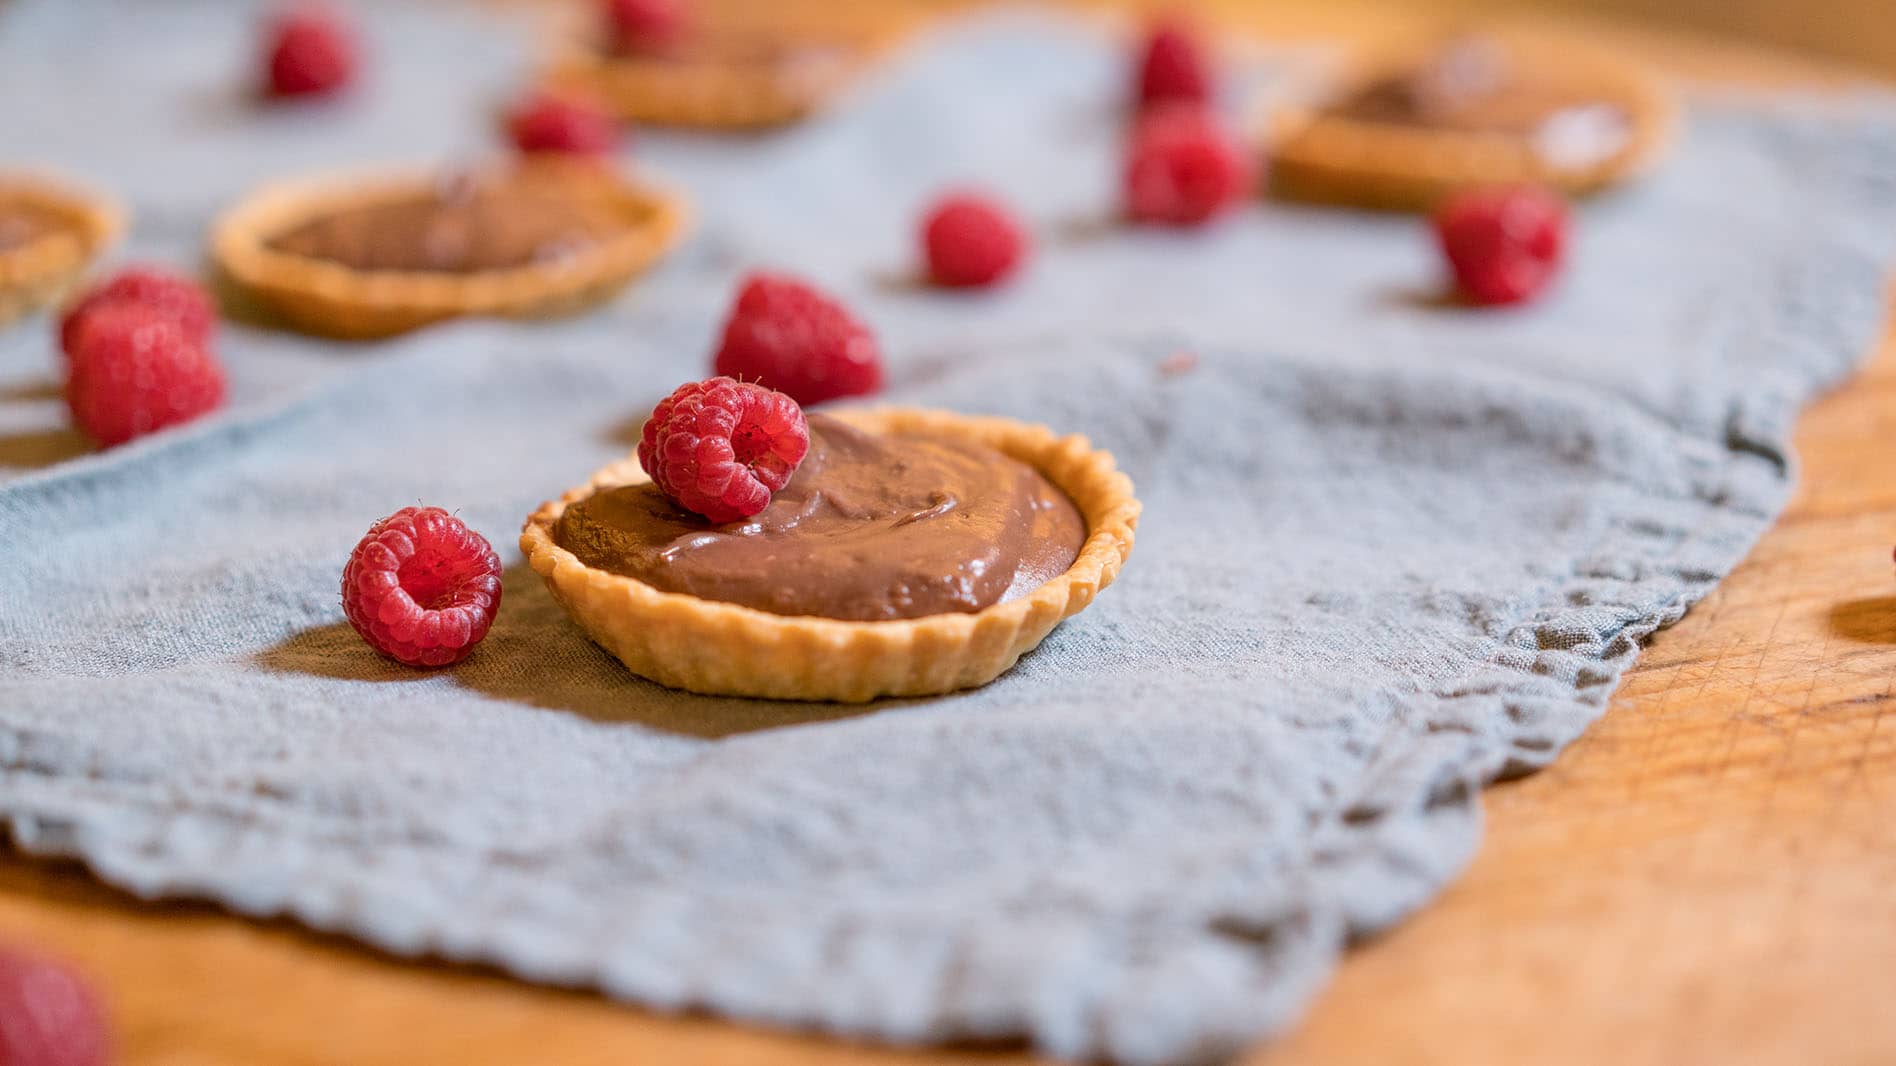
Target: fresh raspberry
<point>49,1015</point>
<point>1503,244</point>
<point>311,53</point>
<point>643,25</point>
<point>971,240</point>
<point>1182,169</point>
<point>1172,67</point>
<point>549,122</point>
<point>421,587</point>
<point>178,297</point>
<point>720,447</point>
<point>134,371</point>
<point>785,335</point>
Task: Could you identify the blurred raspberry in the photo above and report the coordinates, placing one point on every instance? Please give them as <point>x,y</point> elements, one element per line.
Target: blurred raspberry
<point>178,297</point>
<point>1172,67</point>
<point>720,447</point>
<point>49,1015</point>
<point>552,122</point>
<point>135,372</point>
<point>783,334</point>
<point>635,26</point>
<point>1504,244</point>
<point>971,240</point>
<point>1182,169</point>
<point>311,52</point>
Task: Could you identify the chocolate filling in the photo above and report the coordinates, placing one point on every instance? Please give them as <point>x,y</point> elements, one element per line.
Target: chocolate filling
<point>462,226</point>
<point>1473,86</point>
<point>870,527</point>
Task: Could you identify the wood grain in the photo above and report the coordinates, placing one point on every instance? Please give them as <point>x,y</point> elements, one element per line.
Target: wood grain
<point>1704,877</point>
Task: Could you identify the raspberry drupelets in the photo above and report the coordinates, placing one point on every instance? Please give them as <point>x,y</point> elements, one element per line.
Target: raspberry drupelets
<point>720,447</point>
<point>1504,245</point>
<point>1172,67</point>
<point>634,26</point>
<point>560,123</point>
<point>421,587</point>
<point>309,51</point>
<point>49,1016</point>
<point>182,300</point>
<point>134,371</point>
<point>785,335</point>
<point>971,240</point>
<point>1181,169</point>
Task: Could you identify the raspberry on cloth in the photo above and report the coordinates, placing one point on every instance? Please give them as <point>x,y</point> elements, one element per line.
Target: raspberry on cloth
<point>970,240</point>
<point>135,370</point>
<point>421,587</point>
<point>785,334</point>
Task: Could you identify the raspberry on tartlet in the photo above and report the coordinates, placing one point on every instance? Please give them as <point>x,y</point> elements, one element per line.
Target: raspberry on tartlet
<point>133,371</point>
<point>562,123</point>
<point>49,1014</point>
<point>720,447</point>
<point>1182,169</point>
<point>634,26</point>
<point>421,587</point>
<point>971,240</point>
<point>308,51</point>
<point>183,300</point>
<point>1505,244</point>
<point>786,335</point>
<point>1172,67</point>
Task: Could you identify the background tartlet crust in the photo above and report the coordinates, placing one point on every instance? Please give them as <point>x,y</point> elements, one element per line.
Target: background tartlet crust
<point>39,271</point>
<point>334,300</point>
<point>723,649</point>
<point>1325,158</point>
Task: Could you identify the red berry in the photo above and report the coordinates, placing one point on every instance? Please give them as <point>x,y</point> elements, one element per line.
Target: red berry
<point>178,297</point>
<point>421,587</point>
<point>1172,67</point>
<point>1503,244</point>
<point>971,240</point>
<point>720,447</point>
<point>49,1016</point>
<point>310,53</point>
<point>785,335</point>
<point>547,122</point>
<point>134,371</point>
<point>1182,170</point>
<point>643,25</point>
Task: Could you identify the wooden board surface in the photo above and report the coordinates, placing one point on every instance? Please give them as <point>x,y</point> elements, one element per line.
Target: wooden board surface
<point>1709,875</point>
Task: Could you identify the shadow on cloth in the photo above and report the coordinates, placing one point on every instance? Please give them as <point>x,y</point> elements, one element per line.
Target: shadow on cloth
<point>536,656</point>
<point>41,448</point>
<point>1866,621</point>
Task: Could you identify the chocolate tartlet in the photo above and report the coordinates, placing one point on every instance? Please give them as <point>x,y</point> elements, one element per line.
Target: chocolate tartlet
<point>49,232</point>
<point>734,66</point>
<point>370,256</point>
<point>912,553</point>
<point>1402,133</point>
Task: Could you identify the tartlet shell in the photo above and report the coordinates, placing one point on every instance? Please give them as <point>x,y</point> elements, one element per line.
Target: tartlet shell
<point>721,97</point>
<point>736,95</point>
<point>41,270</point>
<point>723,649</point>
<point>332,299</point>
<point>1325,158</point>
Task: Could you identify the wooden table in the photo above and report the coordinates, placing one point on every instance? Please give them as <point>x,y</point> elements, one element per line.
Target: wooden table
<point>1708,875</point>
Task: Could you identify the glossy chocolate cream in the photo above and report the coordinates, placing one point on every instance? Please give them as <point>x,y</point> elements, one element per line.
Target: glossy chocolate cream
<point>22,223</point>
<point>870,527</point>
<point>459,227</point>
<point>1473,86</point>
